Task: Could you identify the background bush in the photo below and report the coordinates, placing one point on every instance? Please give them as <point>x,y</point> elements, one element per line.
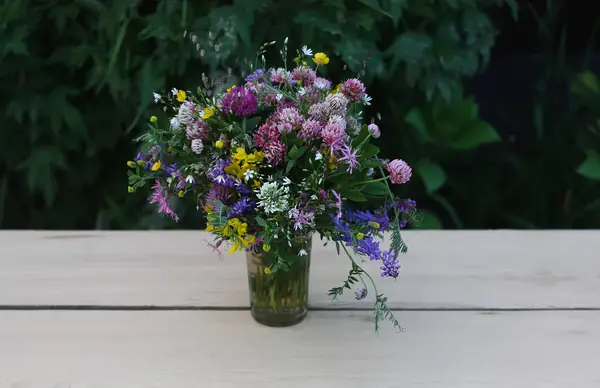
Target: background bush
<point>78,75</point>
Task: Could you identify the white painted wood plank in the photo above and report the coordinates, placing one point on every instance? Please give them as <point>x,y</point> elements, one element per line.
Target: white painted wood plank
<point>449,269</point>
<point>331,349</point>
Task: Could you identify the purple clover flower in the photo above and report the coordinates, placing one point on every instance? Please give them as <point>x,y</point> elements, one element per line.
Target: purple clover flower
<point>240,101</point>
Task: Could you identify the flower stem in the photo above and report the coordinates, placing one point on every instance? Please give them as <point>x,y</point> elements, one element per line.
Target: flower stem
<point>372,180</point>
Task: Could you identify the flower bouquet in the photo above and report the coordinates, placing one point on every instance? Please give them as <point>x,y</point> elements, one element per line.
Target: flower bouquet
<point>273,161</point>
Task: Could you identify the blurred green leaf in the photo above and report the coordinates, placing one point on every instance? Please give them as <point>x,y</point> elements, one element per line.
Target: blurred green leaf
<point>409,47</point>
<point>590,168</point>
<point>39,170</point>
<point>475,134</point>
<point>426,220</point>
<point>432,174</point>
<point>415,118</point>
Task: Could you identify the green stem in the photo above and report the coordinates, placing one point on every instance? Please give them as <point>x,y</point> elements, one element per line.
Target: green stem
<point>362,270</point>
<point>371,181</point>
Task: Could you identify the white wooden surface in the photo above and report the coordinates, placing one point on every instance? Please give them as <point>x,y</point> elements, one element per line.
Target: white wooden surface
<point>477,270</point>
<point>443,269</point>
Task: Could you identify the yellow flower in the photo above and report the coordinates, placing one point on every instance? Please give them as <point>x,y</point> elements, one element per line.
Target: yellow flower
<point>233,169</point>
<point>337,89</point>
<point>170,149</point>
<point>130,189</point>
<point>209,208</point>
<point>153,119</point>
<point>267,270</point>
<point>156,166</point>
<point>359,236</point>
<point>235,247</point>
<point>131,163</point>
<point>208,113</point>
<point>320,59</point>
<point>181,96</point>
<point>240,154</point>
<point>219,144</point>
<point>210,228</point>
<point>230,89</point>
<point>256,184</point>
<point>255,157</point>
<point>181,193</point>
<point>266,247</point>
<point>374,224</point>
<point>250,239</point>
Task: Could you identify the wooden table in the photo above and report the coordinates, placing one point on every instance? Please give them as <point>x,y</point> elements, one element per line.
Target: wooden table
<point>502,309</point>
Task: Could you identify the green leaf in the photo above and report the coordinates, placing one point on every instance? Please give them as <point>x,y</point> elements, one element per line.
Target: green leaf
<point>425,220</point>
<point>415,118</point>
<point>477,133</point>
<point>432,174</point>
<point>368,150</point>
<point>40,170</point>
<point>375,189</point>
<point>261,221</point>
<point>362,135</point>
<point>352,195</point>
<point>410,47</point>
<point>293,152</point>
<point>590,168</point>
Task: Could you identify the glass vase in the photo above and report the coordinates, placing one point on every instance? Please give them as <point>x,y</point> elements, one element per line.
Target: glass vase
<point>279,298</point>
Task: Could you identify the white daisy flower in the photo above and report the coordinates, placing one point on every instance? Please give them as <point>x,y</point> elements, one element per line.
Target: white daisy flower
<point>189,179</point>
<point>367,99</point>
<point>174,91</point>
<point>157,97</point>
<point>318,156</point>
<point>302,252</point>
<point>302,91</point>
<point>306,51</point>
<point>249,174</point>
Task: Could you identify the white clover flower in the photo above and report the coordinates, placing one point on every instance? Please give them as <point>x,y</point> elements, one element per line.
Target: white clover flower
<point>197,146</point>
<point>273,199</point>
<point>157,97</point>
<point>175,124</point>
<point>306,51</point>
<point>186,113</point>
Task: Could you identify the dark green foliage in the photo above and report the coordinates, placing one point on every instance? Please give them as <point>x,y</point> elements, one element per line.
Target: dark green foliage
<point>78,76</point>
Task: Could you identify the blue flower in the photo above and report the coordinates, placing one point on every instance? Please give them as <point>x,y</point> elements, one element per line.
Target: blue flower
<point>368,247</point>
<point>390,265</point>
<point>242,206</point>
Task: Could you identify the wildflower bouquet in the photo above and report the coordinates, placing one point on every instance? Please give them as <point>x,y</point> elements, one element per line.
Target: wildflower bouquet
<point>273,161</point>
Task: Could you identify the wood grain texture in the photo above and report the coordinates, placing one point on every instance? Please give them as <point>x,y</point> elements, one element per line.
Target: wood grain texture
<point>443,269</point>
<point>330,349</point>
